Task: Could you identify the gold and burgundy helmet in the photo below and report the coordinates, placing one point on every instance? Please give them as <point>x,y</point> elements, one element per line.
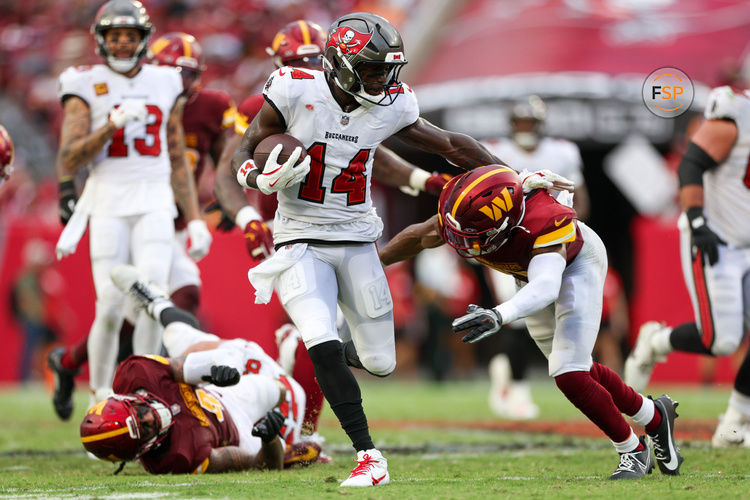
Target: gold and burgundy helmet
<point>6,151</point>
<point>125,426</point>
<point>299,43</point>
<point>181,51</point>
<point>478,209</point>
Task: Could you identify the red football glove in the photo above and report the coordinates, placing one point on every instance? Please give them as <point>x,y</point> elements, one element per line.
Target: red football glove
<point>436,182</point>
<point>258,239</point>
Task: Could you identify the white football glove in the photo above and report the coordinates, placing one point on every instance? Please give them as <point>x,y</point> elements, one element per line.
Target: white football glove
<point>545,179</point>
<point>482,322</point>
<point>200,239</point>
<point>276,177</point>
<point>130,109</point>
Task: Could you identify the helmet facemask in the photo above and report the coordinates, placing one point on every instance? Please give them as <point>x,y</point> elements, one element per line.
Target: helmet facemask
<point>358,39</point>
<point>122,14</point>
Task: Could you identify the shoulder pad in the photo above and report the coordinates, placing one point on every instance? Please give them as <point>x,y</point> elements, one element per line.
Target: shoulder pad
<point>723,104</point>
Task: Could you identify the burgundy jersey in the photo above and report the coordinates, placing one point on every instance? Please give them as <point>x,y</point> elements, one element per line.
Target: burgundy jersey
<point>201,422</point>
<point>208,113</point>
<point>246,111</point>
<point>545,223</point>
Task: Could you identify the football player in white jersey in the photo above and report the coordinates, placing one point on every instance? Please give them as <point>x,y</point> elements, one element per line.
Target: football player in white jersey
<point>325,226</point>
<point>715,251</point>
<point>124,121</point>
<point>6,155</point>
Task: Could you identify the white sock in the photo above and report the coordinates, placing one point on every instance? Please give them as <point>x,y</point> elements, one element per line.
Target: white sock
<point>102,348</point>
<point>630,444</point>
<point>155,308</point>
<point>646,413</point>
<point>660,342</point>
<point>739,407</point>
<point>179,336</point>
<point>146,335</point>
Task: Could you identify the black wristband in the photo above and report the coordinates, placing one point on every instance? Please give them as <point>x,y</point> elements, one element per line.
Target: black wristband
<point>67,186</point>
<point>694,162</point>
<point>695,217</point>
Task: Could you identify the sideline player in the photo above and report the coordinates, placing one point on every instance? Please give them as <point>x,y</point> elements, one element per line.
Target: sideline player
<point>6,155</point>
<point>715,254</point>
<point>207,115</point>
<point>484,215</point>
<point>325,226</point>
<point>124,119</point>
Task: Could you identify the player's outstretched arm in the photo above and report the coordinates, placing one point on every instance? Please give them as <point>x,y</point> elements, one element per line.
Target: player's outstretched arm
<point>228,192</point>
<point>392,170</point>
<point>234,458</point>
<point>459,149</point>
<point>411,241</point>
<point>183,183</point>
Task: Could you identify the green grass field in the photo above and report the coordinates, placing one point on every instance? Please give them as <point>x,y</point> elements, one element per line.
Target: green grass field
<point>441,442</point>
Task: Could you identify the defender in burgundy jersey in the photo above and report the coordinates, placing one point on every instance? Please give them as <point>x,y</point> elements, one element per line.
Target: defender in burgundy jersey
<point>485,214</point>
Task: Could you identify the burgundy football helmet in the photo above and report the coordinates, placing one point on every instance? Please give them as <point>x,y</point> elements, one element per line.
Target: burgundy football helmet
<point>125,426</point>
<point>6,153</point>
<point>299,43</point>
<point>181,51</point>
<point>122,14</point>
<point>478,210</point>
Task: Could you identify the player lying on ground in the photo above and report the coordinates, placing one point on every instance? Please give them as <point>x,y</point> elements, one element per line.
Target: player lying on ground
<point>195,413</point>
<point>484,215</point>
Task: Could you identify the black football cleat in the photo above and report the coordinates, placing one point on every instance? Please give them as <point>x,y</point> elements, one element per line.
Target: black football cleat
<point>62,398</point>
<point>634,464</point>
<point>667,453</point>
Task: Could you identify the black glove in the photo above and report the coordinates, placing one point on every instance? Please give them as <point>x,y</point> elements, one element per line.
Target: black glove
<point>226,223</point>
<point>68,199</point>
<point>483,323</point>
<point>222,376</point>
<point>702,239</point>
<point>269,426</point>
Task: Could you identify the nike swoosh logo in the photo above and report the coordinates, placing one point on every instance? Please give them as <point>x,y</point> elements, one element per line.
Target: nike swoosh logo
<point>557,223</point>
<point>376,481</point>
<point>672,464</point>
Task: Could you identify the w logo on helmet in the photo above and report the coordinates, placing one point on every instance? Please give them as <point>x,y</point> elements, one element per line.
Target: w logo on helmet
<point>348,41</point>
<point>497,209</point>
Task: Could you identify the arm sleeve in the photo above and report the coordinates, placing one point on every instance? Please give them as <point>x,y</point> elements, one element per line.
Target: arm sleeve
<point>723,104</point>
<point>545,277</point>
<point>410,109</point>
<point>72,83</point>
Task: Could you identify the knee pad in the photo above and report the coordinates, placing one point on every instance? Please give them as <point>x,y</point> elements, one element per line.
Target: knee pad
<point>724,347</point>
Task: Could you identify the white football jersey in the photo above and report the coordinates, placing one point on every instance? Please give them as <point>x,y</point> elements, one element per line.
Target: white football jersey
<point>558,155</point>
<point>726,194</point>
<point>342,146</point>
<point>131,174</point>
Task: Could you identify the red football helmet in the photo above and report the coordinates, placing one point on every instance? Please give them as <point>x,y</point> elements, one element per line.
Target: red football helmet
<point>478,210</point>
<point>299,43</point>
<point>182,51</point>
<point>6,152</point>
<point>124,427</point>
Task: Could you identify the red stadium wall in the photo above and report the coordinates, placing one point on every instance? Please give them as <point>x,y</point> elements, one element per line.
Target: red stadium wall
<point>227,306</point>
<point>227,302</point>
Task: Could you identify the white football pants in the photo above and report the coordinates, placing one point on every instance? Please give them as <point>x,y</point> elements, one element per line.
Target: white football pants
<point>352,277</point>
<point>566,330</point>
<point>145,241</point>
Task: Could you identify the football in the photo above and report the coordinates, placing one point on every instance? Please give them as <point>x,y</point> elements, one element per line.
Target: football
<point>264,148</point>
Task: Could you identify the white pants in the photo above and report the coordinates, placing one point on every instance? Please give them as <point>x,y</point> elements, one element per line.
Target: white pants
<point>720,293</point>
<point>352,277</point>
<point>566,330</point>
<point>143,240</point>
<point>184,271</point>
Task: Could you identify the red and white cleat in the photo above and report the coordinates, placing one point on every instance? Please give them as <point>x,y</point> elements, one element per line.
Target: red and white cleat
<point>371,470</point>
